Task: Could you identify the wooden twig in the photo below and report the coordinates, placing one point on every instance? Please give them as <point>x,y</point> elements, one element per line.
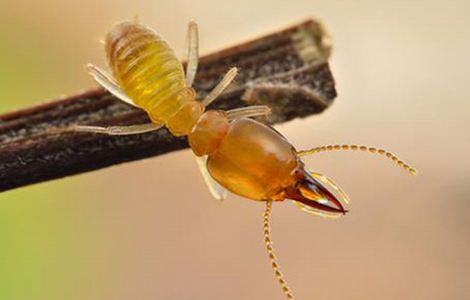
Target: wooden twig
<point>286,70</point>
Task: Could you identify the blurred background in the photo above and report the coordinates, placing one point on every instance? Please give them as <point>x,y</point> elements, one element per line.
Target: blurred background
<point>150,230</point>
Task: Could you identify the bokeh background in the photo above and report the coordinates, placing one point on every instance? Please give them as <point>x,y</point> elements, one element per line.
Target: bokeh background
<point>150,230</point>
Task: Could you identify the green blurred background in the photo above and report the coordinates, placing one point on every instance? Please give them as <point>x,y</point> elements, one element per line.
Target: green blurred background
<point>150,230</point>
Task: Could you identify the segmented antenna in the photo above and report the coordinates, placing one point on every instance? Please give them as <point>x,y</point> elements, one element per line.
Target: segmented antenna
<point>270,250</point>
<point>368,149</point>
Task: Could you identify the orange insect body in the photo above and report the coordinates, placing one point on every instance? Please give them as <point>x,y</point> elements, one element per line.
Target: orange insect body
<point>250,160</point>
<point>253,161</point>
<point>239,154</point>
<point>244,156</point>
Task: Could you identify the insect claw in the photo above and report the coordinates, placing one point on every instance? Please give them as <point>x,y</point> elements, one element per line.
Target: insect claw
<point>312,196</point>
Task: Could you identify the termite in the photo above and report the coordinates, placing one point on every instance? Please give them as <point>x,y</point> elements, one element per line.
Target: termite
<point>234,152</point>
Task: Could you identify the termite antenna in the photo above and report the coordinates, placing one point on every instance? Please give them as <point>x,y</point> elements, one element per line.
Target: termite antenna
<point>368,149</point>
<point>270,250</point>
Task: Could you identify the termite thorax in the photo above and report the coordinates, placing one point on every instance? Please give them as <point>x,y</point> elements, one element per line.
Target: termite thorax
<point>208,132</point>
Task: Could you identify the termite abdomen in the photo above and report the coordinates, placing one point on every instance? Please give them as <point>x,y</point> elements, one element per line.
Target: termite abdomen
<point>149,72</point>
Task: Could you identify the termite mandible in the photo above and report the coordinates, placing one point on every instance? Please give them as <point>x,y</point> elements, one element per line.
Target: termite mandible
<point>234,152</point>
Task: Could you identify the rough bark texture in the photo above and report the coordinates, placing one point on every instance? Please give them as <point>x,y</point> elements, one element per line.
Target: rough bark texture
<point>286,70</point>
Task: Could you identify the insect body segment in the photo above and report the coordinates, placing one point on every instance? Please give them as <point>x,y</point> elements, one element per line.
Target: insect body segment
<point>149,72</point>
<point>208,132</point>
<point>253,160</point>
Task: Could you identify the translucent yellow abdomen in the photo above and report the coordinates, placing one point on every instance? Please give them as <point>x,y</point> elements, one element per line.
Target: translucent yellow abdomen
<point>149,72</point>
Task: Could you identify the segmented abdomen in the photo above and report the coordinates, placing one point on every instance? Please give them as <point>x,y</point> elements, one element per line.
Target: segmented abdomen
<point>147,69</point>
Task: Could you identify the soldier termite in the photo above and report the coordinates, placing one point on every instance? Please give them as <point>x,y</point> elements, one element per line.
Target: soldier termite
<point>234,152</point>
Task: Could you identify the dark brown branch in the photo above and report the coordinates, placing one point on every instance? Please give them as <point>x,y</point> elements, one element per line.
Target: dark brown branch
<point>286,70</point>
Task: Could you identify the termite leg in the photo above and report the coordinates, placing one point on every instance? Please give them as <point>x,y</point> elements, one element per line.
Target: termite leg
<point>368,149</point>
<point>223,84</point>
<point>248,111</point>
<point>109,84</point>
<point>217,191</point>
<point>118,130</point>
<point>193,53</point>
